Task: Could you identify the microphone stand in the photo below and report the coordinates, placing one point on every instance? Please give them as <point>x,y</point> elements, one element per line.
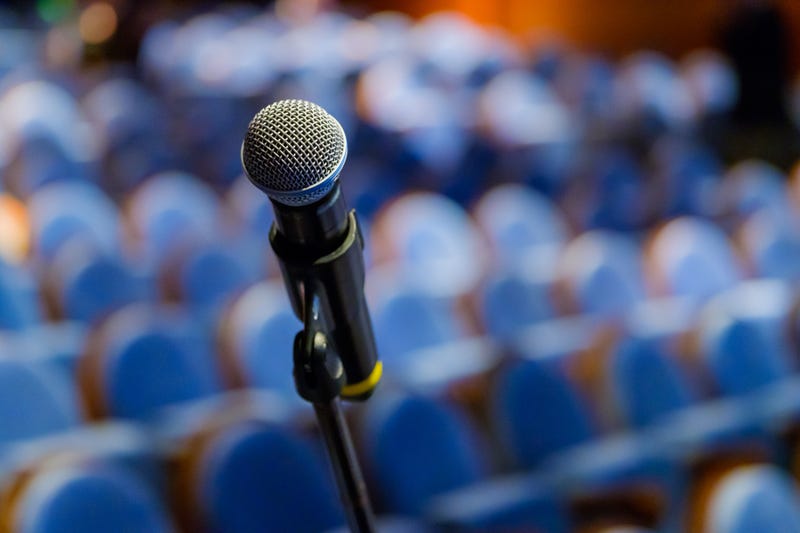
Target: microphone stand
<point>319,378</point>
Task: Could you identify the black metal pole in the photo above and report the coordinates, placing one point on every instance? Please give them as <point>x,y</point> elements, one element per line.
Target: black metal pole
<point>319,378</point>
<point>350,482</point>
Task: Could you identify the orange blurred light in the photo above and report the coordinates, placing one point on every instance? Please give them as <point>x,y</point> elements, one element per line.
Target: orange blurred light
<point>15,230</point>
<point>97,23</point>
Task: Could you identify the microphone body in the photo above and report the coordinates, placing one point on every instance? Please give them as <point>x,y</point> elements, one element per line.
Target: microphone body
<point>314,235</point>
<point>319,248</point>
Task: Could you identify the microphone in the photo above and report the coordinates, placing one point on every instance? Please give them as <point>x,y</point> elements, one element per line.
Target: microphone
<point>293,151</point>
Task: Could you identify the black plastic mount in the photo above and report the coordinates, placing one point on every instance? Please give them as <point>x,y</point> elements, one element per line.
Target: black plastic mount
<point>327,294</point>
<point>318,371</point>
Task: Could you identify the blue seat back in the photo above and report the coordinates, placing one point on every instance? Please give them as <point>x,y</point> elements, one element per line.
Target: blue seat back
<point>754,498</point>
<point>263,478</point>
<point>538,412</point>
<point>648,381</point>
<point>417,448</point>
<point>90,499</point>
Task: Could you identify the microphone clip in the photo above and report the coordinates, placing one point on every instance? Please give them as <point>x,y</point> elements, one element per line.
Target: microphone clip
<point>318,372</point>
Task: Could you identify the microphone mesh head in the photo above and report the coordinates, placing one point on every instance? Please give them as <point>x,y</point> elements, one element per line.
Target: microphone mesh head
<point>293,151</point>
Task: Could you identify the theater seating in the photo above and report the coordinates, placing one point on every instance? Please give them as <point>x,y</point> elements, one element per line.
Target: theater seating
<point>587,311</point>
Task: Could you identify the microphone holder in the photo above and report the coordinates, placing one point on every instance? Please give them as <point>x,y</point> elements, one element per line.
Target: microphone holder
<point>319,378</point>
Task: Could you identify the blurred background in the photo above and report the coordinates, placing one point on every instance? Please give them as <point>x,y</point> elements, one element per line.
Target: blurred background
<point>583,250</point>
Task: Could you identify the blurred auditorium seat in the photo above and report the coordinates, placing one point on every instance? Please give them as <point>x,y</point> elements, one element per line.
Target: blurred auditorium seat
<point>653,98</point>
<point>169,352</point>
<point>243,464</point>
<point>38,399</point>
<point>20,305</point>
<point>257,338</point>
<point>771,242</point>
<point>63,495</point>
<point>406,319</point>
<point>647,379</point>
<point>134,139</point>
<point>445,453</point>
<point>171,209</point>
<point>560,420</point>
<point>687,177</point>
<point>602,273</point>
<point>515,297</point>
<point>618,199</point>
<point>711,81</point>
<point>73,210</point>
<point>691,257</point>
<point>433,243</point>
<point>753,185</point>
<point>744,336</point>
<point>205,276</point>
<point>522,226</point>
<point>751,498</point>
<point>49,137</point>
<point>251,211</point>
<point>86,284</point>
<point>572,340</point>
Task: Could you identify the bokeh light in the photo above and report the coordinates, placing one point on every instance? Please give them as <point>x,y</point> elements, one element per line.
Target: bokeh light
<point>98,22</point>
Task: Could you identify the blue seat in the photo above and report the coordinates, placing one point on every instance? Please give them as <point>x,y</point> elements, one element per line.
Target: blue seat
<point>603,273</point>
<point>73,210</point>
<point>90,284</point>
<point>711,80</point>
<point>693,257</point>
<point>619,200</point>
<point>518,221</point>
<point>754,498</point>
<point>256,477</point>
<point>772,244</point>
<point>408,320</point>
<point>254,211</point>
<point>652,99</point>
<point>753,185</point>
<point>172,209</point>
<point>432,242</point>
<point>148,358</point>
<point>744,339</point>
<point>687,178</point>
<point>537,412</point>
<point>123,444</point>
<point>647,380</point>
<point>89,498</point>
<point>129,121</point>
<point>37,399</point>
<point>534,151</point>
<point>416,447</point>
<point>208,275</point>
<point>20,300</point>
<point>513,298</point>
<point>261,327</point>
<point>40,118</point>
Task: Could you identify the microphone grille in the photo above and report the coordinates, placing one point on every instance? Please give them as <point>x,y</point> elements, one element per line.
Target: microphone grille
<point>293,151</point>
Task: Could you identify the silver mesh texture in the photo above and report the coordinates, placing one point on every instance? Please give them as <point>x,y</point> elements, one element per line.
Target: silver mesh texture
<point>293,151</point>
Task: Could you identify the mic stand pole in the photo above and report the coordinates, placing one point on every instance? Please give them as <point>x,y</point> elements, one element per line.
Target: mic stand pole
<point>319,378</point>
